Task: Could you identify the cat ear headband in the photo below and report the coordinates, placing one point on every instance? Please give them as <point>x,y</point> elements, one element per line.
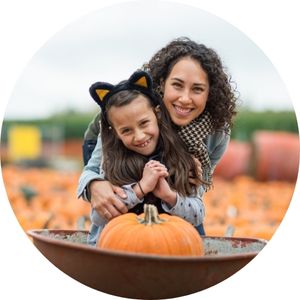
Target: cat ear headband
<point>139,80</point>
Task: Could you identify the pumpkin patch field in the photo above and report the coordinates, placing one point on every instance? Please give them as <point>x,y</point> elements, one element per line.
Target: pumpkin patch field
<point>242,207</point>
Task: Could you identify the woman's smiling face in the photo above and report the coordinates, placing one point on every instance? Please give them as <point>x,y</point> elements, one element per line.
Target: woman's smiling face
<point>186,91</point>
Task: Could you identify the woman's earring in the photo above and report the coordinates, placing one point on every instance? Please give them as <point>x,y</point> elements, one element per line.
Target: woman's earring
<point>109,127</point>
<point>160,88</point>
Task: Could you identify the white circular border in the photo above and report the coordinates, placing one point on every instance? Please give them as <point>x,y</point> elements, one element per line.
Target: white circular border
<point>26,25</point>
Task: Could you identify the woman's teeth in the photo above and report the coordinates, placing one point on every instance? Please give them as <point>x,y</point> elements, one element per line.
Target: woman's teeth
<point>182,110</point>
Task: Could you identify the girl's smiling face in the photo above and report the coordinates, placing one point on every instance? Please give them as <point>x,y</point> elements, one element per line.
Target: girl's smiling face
<point>136,125</point>
<point>186,91</point>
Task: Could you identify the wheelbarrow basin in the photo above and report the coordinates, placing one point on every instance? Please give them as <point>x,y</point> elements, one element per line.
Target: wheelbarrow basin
<point>142,276</point>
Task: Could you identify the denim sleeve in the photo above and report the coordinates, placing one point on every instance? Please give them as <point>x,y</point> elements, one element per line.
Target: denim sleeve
<point>92,171</point>
<point>189,208</point>
<point>216,145</point>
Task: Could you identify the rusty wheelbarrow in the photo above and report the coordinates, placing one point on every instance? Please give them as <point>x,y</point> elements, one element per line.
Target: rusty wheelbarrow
<point>143,276</point>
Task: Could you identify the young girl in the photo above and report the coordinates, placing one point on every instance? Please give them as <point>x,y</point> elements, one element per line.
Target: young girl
<point>143,154</point>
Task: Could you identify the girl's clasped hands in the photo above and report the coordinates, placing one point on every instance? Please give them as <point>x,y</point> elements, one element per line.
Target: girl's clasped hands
<point>154,180</point>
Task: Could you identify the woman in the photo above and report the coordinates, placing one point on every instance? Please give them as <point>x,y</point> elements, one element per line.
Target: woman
<point>201,103</point>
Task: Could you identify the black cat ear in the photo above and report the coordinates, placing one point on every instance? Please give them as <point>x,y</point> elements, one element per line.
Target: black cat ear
<point>99,90</point>
<point>141,79</point>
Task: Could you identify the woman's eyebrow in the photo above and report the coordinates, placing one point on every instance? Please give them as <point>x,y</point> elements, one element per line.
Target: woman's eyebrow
<point>182,81</point>
<point>177,79</point>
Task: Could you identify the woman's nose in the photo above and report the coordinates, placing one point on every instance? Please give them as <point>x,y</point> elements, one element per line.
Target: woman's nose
<point>185,97</point>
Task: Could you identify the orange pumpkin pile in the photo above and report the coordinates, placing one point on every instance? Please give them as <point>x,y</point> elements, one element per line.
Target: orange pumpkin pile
<point>252,208</point>
<point>44,198</point>
<point>151,233</point>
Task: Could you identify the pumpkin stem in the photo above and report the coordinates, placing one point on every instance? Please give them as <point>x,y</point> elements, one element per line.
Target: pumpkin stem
<point>151,215</point>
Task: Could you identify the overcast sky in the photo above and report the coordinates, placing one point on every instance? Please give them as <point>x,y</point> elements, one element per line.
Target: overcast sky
<point>111,43</point>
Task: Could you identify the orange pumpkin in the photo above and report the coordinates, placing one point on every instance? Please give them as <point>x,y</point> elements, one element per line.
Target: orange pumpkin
<point>151,233</point>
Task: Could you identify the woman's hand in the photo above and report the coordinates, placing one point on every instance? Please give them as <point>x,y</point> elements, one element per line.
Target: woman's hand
<point>153,170</point>
<point>104,200</point>
<point>164,192</point>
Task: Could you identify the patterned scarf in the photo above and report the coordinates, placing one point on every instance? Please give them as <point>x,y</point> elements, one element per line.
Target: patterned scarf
<point>193,135</point>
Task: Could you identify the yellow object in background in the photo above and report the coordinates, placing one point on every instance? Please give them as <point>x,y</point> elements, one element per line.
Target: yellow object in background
<point>24,142</point>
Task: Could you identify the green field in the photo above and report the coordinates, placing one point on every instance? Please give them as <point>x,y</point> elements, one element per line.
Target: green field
<point>71,125</point>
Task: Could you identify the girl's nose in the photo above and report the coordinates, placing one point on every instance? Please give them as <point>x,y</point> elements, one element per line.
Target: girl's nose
<point>139,136</point>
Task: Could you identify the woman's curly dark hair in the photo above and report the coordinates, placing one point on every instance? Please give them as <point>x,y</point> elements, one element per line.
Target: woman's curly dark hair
<point>222,98</point>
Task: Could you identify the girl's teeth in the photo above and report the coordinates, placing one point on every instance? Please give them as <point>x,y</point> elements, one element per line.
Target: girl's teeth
<point>144,144</point>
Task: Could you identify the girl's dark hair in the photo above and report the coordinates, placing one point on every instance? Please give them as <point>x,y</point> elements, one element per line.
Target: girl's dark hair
<point>123,166</point>
<point>221,99</point>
